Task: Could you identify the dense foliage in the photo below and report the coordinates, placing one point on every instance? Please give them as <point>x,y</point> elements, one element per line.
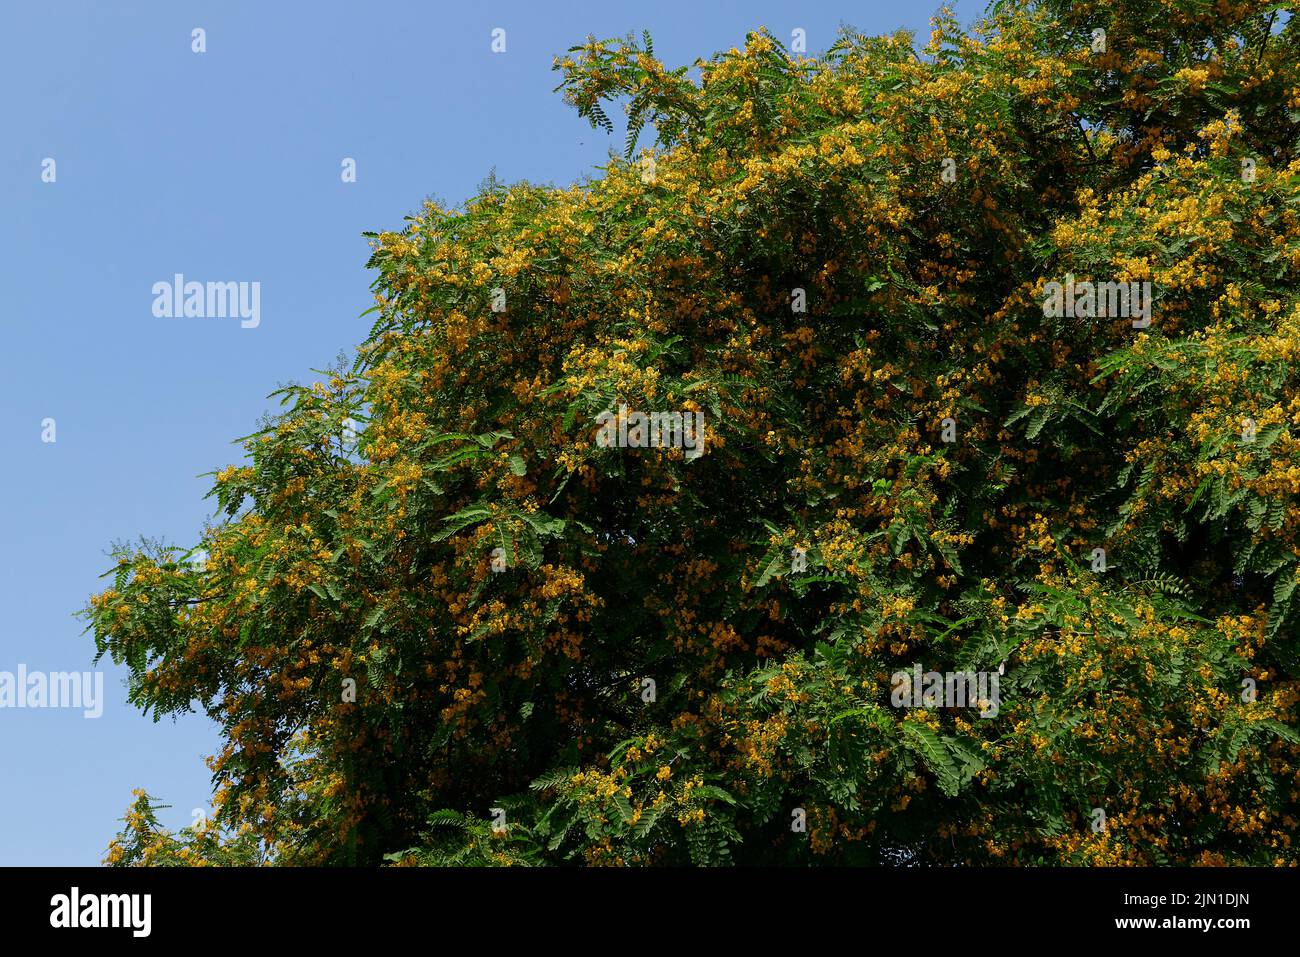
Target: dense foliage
<point>792,257</point>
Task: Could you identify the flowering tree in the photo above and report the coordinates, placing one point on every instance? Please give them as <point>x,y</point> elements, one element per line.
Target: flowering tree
<point>973,359</point>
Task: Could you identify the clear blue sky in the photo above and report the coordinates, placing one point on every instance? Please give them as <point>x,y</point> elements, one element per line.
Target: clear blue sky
<point>225,166</point>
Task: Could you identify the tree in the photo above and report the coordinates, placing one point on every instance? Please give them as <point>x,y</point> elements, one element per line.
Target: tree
<point>452,614</point>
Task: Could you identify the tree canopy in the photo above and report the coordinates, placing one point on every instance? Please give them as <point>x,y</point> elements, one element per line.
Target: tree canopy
<point>439,622</point>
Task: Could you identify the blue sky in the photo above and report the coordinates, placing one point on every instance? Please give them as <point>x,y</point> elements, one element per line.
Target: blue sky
<point>225,166</point>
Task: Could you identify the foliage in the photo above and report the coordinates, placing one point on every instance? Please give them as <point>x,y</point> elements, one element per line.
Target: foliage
<point>523,690</point>
<point>144,842</point>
